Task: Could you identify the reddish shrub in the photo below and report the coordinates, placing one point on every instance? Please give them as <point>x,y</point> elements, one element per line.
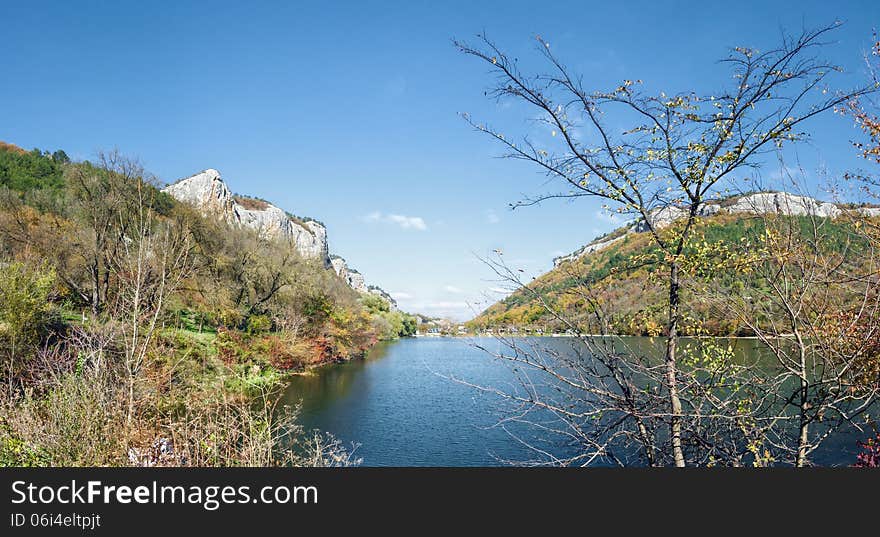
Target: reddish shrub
<point>870,455</point>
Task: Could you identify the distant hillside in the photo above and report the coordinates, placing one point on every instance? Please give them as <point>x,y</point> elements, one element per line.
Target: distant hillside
<point>619,269</point>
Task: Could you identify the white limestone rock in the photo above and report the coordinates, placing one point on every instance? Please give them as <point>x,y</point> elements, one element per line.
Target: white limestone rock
<point>384,294</point>
<point>870,212</point>
<point>208,192</point>
<point>589,249</point>
<point>353,278</point>
<point>664,216</point>
<point>781,203</point>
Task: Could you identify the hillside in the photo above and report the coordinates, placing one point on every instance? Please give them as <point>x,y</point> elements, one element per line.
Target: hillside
<point>208,193</point>
<point>615,272</point>
<point>166,312</point>
<point>46,186</point>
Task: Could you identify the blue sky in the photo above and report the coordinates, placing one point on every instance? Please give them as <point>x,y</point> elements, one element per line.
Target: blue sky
<point>348,111</point>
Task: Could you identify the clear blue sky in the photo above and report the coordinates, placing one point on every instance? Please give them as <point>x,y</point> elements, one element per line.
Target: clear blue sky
<point>342,110</point>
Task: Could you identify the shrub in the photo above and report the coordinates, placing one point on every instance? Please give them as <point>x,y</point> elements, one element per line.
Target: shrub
<point>870,455</point>
<point>15,452</point>
<point>79,422</point>
<point>259,323</point>
<point>25,310</point>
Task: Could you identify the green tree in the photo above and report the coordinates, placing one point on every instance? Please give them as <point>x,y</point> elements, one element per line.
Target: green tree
<point>24,171</point>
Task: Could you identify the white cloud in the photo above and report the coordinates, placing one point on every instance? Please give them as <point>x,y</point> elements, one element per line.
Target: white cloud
<point>452,289</point>
<point>492,217</point>
<point>400,295</point>
<point>500,290</point>
<point>405,222</point>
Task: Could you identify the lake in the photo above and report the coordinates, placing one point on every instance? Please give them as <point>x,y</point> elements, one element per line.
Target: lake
<point>405,405</point>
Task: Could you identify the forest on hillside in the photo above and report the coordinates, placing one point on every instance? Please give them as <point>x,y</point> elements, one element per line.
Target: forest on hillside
<point>131,322</point>
<point>627,293</point>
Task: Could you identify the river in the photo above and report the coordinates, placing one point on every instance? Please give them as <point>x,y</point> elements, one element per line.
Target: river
<point>405,405</point>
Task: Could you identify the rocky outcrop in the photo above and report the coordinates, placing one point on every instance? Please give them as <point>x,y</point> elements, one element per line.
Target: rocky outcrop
<point>356,281</point>
<point>208,192</point>
<point>353,278</point>
<point>384,294</point>
<point>595,246</point>
<point>870,212</point>
<point>664,216</point>
<point>781,203</point>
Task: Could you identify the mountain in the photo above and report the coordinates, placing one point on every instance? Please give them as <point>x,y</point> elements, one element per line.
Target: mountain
<point>631,295</point>
<point>208,192</point>
<point>755,203</point>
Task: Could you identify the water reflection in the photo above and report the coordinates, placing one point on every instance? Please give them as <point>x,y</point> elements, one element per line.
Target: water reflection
<point>403,406</point>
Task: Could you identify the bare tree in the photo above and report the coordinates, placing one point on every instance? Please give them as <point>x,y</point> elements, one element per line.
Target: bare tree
<point>814,306</point>
<point>150,263</point>
<point>678,153</point>
<point>108,197</point>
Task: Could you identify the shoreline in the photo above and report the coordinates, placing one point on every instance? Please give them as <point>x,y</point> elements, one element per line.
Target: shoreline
<point>492,335</point>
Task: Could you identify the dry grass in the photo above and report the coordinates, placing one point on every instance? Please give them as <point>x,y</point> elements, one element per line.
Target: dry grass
<point>252,204</point>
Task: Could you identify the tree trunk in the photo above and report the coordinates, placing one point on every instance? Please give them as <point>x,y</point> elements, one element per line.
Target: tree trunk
<point>803,440</point>
<point>646,441</point>
<point>671,341</point>
<point>96,291</point>
<point>803,437</point>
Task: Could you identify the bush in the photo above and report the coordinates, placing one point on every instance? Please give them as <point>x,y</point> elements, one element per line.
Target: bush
<point>15,452</point>
<point>79,422</point>
<point>258,323</point>
<point>25,310</point>
<point>870,455</point>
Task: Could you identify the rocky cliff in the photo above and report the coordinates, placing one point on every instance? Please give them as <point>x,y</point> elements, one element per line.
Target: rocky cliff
<point>782,203</point>
<point>353,278</point>
<point>356,281</point>
<point>209,193</point>
<point>384,294</point>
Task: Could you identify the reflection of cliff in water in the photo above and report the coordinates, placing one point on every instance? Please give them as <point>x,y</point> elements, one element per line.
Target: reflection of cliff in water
<point>328,384</point>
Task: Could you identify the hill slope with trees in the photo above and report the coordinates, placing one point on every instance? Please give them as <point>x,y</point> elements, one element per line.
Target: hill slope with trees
<point>130,320</point>
<point>621,276</point>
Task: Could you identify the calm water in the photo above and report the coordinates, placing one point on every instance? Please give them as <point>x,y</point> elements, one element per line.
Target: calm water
<point>403,406</point>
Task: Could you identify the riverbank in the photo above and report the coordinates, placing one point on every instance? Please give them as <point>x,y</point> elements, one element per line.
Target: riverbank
<point>569,335</point>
